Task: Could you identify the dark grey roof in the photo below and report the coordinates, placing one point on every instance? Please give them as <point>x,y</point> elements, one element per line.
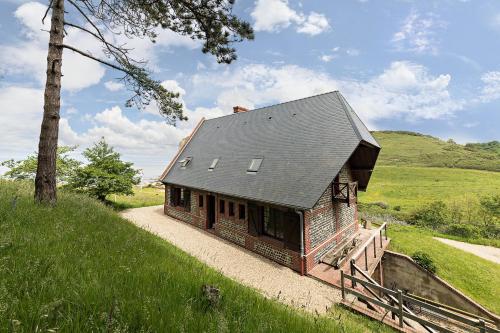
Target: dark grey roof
<point>303,143</point>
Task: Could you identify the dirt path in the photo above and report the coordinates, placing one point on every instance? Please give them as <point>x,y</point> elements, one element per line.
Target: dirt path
<point>271,279</point>
<point>487,252</point>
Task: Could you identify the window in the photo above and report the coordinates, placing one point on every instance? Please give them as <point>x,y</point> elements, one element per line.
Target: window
<point>186,199</point>
<point>185,162</point>
<point>241,212</point>
<point>213,165</point>
<point>231,208</point>
<point>175,196</point>
<point>200,201</point>
<point>274,224</point>
<point>254,165</point>
<point>221,207</point>
<point>180,197</point>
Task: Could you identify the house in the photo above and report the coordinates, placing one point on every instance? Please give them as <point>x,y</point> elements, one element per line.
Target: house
<point>281,181</point>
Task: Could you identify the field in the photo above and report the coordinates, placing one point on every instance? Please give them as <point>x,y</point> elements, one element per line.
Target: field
<point>80,267</point>
<point>412,187</point>
<point>143,196</point>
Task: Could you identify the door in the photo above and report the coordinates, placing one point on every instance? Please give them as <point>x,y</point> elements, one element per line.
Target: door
<point>210,211</point>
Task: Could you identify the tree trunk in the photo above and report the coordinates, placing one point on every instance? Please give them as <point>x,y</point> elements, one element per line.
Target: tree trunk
<point>45,181</point>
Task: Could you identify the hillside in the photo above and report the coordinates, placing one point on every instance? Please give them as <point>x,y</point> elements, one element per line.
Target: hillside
<point>414,149</point>
<point>79,267</point>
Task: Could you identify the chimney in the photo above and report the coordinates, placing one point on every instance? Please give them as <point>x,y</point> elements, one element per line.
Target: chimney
<point>239,109</point>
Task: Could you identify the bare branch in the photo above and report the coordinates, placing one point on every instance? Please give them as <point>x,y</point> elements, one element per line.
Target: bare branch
<point>104,62</point>
<point>47,11</point>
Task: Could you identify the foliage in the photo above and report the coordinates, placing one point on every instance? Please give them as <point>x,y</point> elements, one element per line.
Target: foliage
<point>26,169</point>
<point>432,215</point>
<point>79,267</point>
<point>105,174</point>
<point>425,261</point>
<point>476,277</point>
<point>492,146</point>
<point>463,230</point>
<point>414,149</point>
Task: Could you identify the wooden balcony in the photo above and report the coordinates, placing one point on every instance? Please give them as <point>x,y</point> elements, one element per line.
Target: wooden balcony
<point>345,192</point>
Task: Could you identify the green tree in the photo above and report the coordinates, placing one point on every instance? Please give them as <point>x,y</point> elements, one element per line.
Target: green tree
<point>26,169</point>
<point>209,21</point>
<point>105,173</point>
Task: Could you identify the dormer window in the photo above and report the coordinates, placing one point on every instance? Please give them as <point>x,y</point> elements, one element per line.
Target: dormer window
<point>185,162</point>
<point>213,165</point>
<point>254,165</point>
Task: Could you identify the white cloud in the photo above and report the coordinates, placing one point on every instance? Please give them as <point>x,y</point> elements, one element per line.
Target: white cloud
<point>338,52</point>
<point>417,33</point>
<point>404,90</point>
<point>114,86</point>
<point>326,57</point>
<point>274,15</point>
<point>491,88</point>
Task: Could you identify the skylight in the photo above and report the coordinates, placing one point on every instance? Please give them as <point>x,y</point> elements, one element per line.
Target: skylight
<point>254,165</point>
<point>185,162</point>
<point>213,165</point>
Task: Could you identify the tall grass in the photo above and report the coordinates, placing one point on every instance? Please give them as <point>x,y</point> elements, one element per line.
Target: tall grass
<point>79,267</point>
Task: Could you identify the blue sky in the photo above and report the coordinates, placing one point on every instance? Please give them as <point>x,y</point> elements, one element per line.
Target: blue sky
<point>425,66</point>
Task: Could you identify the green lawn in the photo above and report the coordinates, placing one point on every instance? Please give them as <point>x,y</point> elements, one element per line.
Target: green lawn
<point>147,196</point>
<point>475,277</point>
<point>411,187</point>
<point>80,267</point>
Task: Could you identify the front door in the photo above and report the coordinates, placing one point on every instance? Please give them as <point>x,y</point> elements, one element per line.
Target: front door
<point>210,211</point>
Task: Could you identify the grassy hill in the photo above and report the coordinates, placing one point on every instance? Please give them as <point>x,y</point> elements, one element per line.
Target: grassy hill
<point>79,267</point>
<point>413,149</point>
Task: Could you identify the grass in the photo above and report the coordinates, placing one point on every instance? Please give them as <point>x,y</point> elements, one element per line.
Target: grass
<point>411,187</point>
<point>80,267</point>
<point>143,197</point>
<point>413,149</point>
<point>474,276</point>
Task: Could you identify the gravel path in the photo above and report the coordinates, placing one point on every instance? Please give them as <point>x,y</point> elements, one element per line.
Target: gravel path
<point>487,252</point>
<point>271,279</point>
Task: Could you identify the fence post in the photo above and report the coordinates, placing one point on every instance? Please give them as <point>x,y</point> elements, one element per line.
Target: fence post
<point>380,238</point>
<point>400,301</point>
<point>366,260</point>
<point>374,248</point>
<point>482,326</point>
<point>342,283</point>
<point>353,272</point>
<point>385,228</point>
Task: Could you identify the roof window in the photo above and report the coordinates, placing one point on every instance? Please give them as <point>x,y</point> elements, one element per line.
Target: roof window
<point>254,165</point>
<point>185,162</point>
<point>213,165</point>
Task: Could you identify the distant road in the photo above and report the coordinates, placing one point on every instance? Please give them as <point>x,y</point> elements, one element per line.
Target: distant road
<point>487,252</point>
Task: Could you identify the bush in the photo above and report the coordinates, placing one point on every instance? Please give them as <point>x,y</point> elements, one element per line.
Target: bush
<point>463,230</point>
<point>381,204</point>
<point>425,261</point>
<point>432,215</point>
<point>397,208</point>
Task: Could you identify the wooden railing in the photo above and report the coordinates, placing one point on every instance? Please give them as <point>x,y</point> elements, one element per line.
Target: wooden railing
<point>345,192</point>
<point>380,232</point>
<point>396,305</point>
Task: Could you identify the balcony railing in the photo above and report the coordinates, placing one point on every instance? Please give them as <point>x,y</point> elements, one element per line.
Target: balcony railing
<point>345,192</point>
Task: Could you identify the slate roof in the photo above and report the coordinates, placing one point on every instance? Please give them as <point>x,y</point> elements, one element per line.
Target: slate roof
<point>303,143</point>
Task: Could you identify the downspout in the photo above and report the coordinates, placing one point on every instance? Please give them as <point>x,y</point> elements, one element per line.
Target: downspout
<point>301,218</point>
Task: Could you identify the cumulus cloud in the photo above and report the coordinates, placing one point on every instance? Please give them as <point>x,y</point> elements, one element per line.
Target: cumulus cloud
<point>274,15</point>
<point>418,33</point>
<point>114,86</point>
<point>491,86</point>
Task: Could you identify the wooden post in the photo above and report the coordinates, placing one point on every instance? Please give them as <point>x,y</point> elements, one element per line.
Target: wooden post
<point>380,238</point>
<point>400,301</point>
<point>366,260</point>
<point>353,272</point>
<point>482,326</point>
<point>374,249</point>
<point>385,228</point>
<point>342,283</point>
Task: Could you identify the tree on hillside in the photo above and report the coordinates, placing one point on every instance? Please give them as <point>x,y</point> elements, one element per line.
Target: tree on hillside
<point>26,169</point>
<point>210,21</point>
<point>105,173</point>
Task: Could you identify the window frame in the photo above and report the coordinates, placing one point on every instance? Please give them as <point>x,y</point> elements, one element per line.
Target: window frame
<point>222,207</point>
<point>274,222</point>
<point>240,211</point>
<point>253,169</point>
<point>214,164</point>
<point>230,209</point>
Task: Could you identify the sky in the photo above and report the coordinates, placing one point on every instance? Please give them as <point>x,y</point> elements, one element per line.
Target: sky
<point>425,66</point>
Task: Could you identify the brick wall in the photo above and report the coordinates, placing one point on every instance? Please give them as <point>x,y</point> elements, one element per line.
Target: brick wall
<point>232,228</point>
<point>328,223</point>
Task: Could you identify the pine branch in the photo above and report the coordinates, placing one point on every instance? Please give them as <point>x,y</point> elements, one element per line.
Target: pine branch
<point>104,62</point>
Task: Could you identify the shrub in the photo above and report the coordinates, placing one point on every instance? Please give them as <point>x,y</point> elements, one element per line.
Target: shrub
<point>397,208</point>
<point>463,230</point>
<point>381,204</point>
<point>425,261</point>
<point>432,215</point>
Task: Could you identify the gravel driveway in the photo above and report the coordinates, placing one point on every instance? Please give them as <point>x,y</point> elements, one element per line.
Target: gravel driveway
<point>271,279</point>
<point>487,252</point>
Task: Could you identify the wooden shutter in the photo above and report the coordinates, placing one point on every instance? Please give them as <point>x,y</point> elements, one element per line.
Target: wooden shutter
<point>292,231</point>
